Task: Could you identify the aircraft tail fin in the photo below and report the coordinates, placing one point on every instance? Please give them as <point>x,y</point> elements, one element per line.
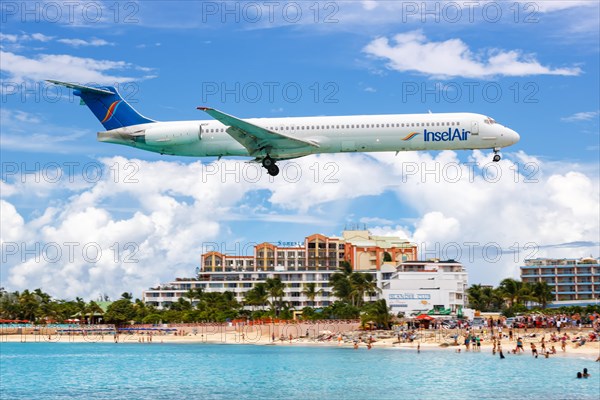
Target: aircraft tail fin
<point>107,105</point>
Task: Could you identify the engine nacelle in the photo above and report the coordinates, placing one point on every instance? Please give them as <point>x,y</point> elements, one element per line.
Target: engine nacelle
<point>173,135</point>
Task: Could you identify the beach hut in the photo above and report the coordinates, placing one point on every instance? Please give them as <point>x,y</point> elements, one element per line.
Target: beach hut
<point>424,320</point>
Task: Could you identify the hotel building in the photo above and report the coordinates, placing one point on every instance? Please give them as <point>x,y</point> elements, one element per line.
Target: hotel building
<point>407,285</point>
<point>416,287</point>
<point>295,264</point>
<point>573,281</point>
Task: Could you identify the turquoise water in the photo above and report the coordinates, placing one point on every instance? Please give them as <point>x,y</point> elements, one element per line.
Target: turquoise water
<point>203,371</point>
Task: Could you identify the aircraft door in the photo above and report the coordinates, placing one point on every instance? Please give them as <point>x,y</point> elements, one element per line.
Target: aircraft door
<point>474,128</point>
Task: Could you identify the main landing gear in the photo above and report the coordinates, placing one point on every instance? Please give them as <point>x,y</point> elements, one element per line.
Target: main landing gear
<point>270,166</point>
<point>496,155</point>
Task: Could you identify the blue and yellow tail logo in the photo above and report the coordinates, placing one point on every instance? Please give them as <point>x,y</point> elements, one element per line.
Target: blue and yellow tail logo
<point>111,111</point>
<point>410,136</point>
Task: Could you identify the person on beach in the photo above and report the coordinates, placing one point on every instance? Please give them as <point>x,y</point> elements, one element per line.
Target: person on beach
<point>563,344</point>
<point>534,351</point>
<point>355,345</point>
<point>467,342</point>
<point>543,343</point>
<point>500,351</point>
<point>478,342</point>
<point>510,334</point>
<point>585,373</point>
<point>579,375</point>
<point>519,347</point>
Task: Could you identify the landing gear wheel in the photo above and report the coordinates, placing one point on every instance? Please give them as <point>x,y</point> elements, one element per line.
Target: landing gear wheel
<point>267,162</point>
<point>273,170</point>
<point>496,157</point>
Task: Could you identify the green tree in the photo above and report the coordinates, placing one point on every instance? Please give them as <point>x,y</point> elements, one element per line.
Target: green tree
<point>81,309</point>
<point>377,312</point>
<point>340,282</point>
<point>257,296</point>
<point>120,312</point>
<point>511,290</point>
<point>29,305</point>
<point>310,291</point>
<point>126,296</point>
<point>542,293</point>
<point>93,308</point>
<point>275,288</point>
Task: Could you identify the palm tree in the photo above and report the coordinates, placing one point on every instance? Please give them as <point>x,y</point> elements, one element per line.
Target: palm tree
<point>377,312</point>
<point>475,297</point>
<point>81,309</point>
<point>93,308</point>
<point>310,291</point>
<point>126,296</point>
<point>371,287</point>
<point>194,294</point>
<point>29,305</point>
<point>340,282</point>
<point>511,290</point>
<point>257,296</point>
<point>542,293</point>
<point>276,290</point>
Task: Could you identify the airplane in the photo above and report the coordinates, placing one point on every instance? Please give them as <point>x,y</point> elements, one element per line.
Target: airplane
<point>269,140</point>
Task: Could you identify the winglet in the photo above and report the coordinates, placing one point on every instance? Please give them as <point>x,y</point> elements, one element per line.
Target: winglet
<point>204,108</point>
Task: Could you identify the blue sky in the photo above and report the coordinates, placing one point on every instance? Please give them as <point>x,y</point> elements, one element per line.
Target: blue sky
<point>534,68</point>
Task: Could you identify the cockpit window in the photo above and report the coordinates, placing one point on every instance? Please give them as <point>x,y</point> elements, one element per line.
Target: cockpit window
<point>489,121</point>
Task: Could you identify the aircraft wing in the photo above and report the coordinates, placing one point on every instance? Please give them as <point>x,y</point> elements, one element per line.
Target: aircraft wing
<point>253,137</point>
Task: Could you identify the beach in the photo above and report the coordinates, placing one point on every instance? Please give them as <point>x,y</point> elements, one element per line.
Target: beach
<point>344,335</point>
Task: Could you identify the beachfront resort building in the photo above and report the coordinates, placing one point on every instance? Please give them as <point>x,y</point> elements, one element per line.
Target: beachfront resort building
<point>409,286</point>
<point>573,281</point>
<point>294,263</point>
<point>416,287</point>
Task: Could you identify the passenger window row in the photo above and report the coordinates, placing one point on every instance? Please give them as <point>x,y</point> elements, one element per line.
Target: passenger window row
<point>349,126</point>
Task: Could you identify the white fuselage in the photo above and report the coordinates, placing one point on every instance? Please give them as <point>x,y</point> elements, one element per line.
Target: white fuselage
<point>359,133</point>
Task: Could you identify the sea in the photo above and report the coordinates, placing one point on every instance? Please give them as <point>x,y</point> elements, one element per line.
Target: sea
<point>222,371</point>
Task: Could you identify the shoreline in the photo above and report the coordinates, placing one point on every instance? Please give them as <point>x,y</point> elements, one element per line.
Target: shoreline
<point>590,351</point>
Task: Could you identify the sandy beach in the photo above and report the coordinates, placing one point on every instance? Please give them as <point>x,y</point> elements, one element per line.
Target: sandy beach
<point>279,335</point>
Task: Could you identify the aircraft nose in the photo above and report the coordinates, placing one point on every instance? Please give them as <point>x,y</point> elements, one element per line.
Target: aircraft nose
<point>514,136</point>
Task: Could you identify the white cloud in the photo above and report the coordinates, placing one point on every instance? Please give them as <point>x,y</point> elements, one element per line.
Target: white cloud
<point>23,131</point>
<point>545,6</point>
<point>64,67</point>
<point>41,37</point>
<point>412,52</point>
<point>80,42</point>
<point>13,38</point>
<point>7,37</point>
<point>582,116</point>
<point>170,209</point>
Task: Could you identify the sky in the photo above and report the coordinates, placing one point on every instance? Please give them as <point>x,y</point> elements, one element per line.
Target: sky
<point>83,218</point>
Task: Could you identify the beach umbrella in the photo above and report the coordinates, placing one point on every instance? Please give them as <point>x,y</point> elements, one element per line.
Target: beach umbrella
<point>425,317</point>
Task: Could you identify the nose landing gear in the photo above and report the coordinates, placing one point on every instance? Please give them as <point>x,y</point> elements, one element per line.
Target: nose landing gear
<point>496,155</point>
<point>270,166</point>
